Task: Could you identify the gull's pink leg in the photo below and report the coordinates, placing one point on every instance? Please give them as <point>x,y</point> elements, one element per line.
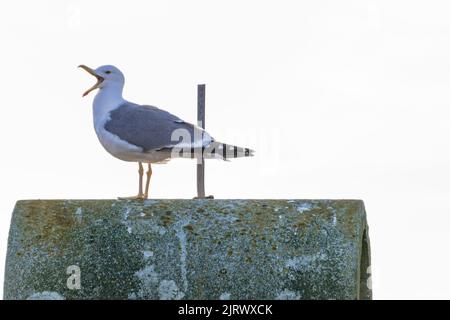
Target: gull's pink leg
<point>147,183</point>
<point>140,193</point>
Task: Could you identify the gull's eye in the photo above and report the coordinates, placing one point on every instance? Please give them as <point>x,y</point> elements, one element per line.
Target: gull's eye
<point>108,72</point>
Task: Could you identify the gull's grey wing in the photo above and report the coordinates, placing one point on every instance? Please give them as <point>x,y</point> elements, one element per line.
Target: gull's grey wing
<point>151,128</point>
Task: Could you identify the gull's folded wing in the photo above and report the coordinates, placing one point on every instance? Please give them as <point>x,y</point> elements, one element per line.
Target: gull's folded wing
<point>153,129</point>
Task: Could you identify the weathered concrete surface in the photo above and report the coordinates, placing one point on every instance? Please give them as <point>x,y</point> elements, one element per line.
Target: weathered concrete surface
<point>189,249</point>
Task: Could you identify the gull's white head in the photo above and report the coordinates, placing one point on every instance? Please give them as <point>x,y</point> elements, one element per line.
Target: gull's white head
<point>107,76</point>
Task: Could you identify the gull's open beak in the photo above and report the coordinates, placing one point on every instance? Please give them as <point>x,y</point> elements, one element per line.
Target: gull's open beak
<point>99,79</point>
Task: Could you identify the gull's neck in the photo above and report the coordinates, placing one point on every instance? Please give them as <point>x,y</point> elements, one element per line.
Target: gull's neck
<point>107,99</point>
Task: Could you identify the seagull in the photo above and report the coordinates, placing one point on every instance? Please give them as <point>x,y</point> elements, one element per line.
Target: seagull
<point>146,134</point>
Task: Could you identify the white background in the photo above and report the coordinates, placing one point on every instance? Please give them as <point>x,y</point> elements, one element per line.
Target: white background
<point>340,99</point>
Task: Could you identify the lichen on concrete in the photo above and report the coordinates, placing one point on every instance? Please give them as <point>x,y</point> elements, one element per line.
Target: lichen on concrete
<point>189,249</point>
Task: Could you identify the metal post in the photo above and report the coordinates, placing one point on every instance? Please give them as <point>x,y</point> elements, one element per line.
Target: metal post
<point>201,123</point>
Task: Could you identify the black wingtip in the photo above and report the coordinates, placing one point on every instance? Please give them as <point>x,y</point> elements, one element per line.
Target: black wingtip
<point>249,152</point>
